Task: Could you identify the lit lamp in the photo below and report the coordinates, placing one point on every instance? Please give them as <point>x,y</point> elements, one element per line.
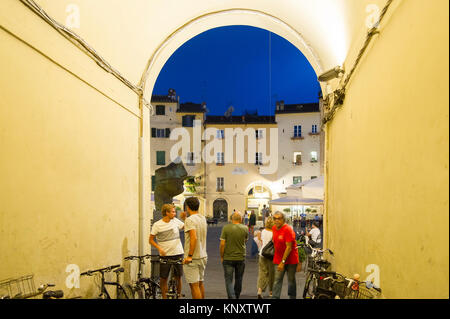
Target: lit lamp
<point>331,74</point>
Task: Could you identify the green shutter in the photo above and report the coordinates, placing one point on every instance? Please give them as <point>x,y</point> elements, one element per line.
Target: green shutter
<point>153,183</point>
<point>160,158</point>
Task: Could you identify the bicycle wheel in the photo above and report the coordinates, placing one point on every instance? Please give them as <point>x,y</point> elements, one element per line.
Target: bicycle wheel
<point>310,287</point>
<point>172,290</point>
<point>125,292</point>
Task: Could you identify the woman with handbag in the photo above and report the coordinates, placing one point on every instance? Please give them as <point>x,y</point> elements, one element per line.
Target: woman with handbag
<point>265,266</point>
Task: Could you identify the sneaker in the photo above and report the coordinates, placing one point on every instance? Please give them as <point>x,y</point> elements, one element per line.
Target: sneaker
<point>260,296</point>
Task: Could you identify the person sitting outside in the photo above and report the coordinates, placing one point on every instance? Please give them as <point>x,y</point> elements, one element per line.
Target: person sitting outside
<point>314,235</point>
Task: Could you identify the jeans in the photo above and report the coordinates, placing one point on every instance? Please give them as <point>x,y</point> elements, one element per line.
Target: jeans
<point>230,267</point>
<point>278,281</point>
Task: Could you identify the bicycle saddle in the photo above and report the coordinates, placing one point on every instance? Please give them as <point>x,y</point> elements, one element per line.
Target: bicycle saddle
<point>119,270</point>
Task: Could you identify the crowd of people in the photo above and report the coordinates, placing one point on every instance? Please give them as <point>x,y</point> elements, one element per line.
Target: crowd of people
<point>165,237</point>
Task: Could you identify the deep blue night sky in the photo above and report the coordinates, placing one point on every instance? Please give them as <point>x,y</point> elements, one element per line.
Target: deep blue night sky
<point>230,66</point>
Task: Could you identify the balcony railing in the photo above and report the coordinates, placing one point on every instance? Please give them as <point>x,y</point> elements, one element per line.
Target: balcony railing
<point>314,133</point>
<point>219,189</point>
<point>297,137</point>
<point>220,163</point>
<point>297,163</point>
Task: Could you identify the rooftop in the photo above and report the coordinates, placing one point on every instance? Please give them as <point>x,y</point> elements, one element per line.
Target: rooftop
<point>296,108</point>
<point>240,119</point>
<point>190,107</point>
<point>163,99</point>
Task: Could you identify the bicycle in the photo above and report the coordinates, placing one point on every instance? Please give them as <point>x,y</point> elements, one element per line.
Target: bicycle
<point>144,287</point>
<point>23,288</point>
<point>104,294</point>
<point>352,288</point>
<point>172,283</point>
<point>316,263</point>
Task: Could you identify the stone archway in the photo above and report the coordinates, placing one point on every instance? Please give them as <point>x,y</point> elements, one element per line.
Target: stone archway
<point>228,17</point>
<point>220,209</point>
<point>257,195</point>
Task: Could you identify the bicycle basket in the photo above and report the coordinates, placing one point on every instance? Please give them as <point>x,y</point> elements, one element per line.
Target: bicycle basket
<point>324,284</point>
<point>364,293</point>
<point>19,287</point>
<point>341,289</point>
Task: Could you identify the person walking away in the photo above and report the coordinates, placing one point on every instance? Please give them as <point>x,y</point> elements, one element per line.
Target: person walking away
<point>265,213</point>
<point>265,265</point>
<point>314,235</point>
<point>232,254</point>
<point>245,218</point>
<point>195,256</point>
<point>251,222</point>
<point>167,233</point>
<point>285,259</point>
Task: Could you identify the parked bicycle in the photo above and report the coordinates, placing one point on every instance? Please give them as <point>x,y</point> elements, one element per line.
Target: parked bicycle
<point>120,290</point>
<point>23,288</point>
<point>315,264</point>
<point>172,284</point>
<point>144,287</point>
<point>332,285</point>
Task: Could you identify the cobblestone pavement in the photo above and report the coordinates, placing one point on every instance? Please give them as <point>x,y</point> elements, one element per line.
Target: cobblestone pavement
<point>214,279</point>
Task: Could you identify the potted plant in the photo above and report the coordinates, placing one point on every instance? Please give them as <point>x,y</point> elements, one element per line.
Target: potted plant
<point>190,184</point>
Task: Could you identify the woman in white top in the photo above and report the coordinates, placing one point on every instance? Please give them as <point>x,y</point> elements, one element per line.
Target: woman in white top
<point>266,270</point>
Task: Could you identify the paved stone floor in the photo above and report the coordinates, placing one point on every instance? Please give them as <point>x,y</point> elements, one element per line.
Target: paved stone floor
<point>214,279</point>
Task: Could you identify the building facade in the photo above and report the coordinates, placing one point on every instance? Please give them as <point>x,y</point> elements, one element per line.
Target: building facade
<point>227,157</point>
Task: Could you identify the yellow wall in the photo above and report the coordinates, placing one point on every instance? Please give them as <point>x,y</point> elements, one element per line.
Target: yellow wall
<point>387,157</point>
<point>68,165</point>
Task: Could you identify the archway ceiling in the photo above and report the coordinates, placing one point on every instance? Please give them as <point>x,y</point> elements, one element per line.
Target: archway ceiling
<point>127,33</point>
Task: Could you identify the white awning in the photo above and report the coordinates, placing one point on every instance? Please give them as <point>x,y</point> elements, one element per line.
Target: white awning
<point>296,200</point>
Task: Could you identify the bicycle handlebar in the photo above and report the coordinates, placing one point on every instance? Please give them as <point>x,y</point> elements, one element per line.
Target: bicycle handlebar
<point>106,269</point>
<point>140,257</point>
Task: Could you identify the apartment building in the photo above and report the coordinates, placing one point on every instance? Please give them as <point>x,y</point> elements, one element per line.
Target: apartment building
<point>232,176</point>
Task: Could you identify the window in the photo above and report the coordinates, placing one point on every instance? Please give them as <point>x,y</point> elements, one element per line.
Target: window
<point>160,158</point>
<point>190,159</point>
<point>314,129</point>
<point>312,177</point>
<point>219,186</point>
<point>220,158</point>
<point>259,134</point>
<point>297,158</point>
<point>160,110</point>
<point>188,120</point>
<point>313,157</point>
<point>220,134</point>
<point>258,158</point>
<point>297,131</point>
<point>296,179</point>
<point>160,132</point>
<point>153,183</point>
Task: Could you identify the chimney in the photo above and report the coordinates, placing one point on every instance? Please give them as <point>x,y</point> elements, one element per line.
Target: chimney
<point>282,105</point>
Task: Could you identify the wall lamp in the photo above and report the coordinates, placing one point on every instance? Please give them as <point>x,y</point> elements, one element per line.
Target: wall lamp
<point>331,74</point>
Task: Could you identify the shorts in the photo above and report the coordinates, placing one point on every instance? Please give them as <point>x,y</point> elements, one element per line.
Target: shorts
<point>195,271</point>
<point>164,267</point>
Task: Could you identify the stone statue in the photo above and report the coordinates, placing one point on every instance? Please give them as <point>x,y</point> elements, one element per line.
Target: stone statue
<point>169,183</point>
